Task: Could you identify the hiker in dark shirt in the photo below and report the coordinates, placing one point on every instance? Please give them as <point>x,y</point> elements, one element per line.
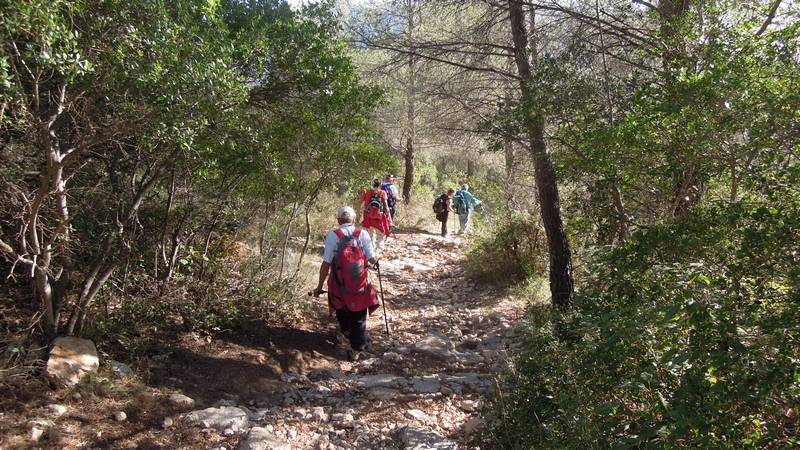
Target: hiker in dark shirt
<point>443,206</point>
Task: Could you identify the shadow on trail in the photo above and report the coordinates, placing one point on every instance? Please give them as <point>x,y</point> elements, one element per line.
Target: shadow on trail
<point>413,230</point>
<point>244,365</point>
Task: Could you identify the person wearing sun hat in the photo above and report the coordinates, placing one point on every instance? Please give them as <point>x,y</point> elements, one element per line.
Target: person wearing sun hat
<point>347,255</point>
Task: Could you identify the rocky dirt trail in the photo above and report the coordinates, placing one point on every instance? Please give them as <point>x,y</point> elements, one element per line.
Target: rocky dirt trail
<point>420,388</point>
<point>423,387</point>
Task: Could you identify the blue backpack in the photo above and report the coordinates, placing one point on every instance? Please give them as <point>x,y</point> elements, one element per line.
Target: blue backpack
<point>387,187</point>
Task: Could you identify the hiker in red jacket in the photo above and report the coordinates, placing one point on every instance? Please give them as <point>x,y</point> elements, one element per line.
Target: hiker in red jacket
<point>348,252</point>
<point>375,216</point>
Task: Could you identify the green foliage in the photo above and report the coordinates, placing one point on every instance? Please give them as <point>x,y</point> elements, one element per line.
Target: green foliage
<point>684,333</point>
<point>515,249</point>
<point>177,127</point>
<point>683,337</point>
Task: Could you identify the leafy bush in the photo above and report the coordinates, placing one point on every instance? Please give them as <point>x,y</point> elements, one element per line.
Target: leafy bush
<point>229,302</point>
<point>513,251</point>
<point>685,337</point>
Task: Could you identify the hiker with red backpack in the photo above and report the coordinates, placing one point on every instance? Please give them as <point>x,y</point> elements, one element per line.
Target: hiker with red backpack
<point>351,297</point>
<point>442,206</point>
<point>376,218</point>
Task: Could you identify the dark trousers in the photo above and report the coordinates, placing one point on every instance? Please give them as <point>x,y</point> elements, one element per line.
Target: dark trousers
<point>354,326</point>
<point>445,215</point>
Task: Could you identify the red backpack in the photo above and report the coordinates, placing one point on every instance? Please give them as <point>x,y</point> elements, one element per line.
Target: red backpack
<point>348,284</point>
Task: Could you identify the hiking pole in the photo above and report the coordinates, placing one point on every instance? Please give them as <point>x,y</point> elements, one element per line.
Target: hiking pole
<point>385,316</point>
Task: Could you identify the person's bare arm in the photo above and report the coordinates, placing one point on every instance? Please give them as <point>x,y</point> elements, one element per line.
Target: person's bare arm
<point>324,269</point>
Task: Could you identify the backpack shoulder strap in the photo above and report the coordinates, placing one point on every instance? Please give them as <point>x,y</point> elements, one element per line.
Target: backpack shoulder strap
<point>339,233</point>
<point>357,233</point>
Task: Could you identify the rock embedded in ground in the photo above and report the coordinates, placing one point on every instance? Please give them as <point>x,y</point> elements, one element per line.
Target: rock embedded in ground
<point>414,438</point>
<point>181,401</point>
<point>393,357</point>
<point>222,418</point>
<point>121,370</point>
<point>379,380</point>
<point>318,413</point>
<point>263,439</point>
<point>71,359</point>
<point>420,416</point>
<point>436,346</point>
<point>382,393</point>
<point>120,416</point>
<point>425,385</point>
<point>343,420</point>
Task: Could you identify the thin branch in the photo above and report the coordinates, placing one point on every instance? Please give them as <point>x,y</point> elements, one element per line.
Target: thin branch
<point>440,60</point>
<point>770,16</point>
<point>647,4</point>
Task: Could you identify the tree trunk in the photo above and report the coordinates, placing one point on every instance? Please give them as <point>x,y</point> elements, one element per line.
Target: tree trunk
<point>163,242</point>
<point>307,240</point>
<point>561,283</point>
<point>408,178</point>
<point>207,243</point>
<point>286,232</point>
<point>510,160</point>
<point>470,168</point>
<point>620,218</point>
<point>106,263</point>
<point>688,179</point>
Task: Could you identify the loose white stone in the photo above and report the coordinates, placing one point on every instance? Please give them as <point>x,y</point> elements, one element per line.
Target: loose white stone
<point>57,410</point>
<point>36,434</point>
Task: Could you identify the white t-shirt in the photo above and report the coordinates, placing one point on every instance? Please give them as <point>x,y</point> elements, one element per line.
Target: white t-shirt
<point>332,241</point>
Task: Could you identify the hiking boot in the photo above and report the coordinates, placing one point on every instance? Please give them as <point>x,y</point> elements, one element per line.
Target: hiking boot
<point>353,355</point>
<point>341,338</point>
<point>367,345</point>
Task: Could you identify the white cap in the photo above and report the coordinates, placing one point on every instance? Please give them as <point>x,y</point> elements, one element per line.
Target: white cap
<point>346,212</point>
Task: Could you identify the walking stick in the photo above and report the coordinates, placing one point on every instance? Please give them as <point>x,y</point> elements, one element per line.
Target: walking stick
<point>385,314</point>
